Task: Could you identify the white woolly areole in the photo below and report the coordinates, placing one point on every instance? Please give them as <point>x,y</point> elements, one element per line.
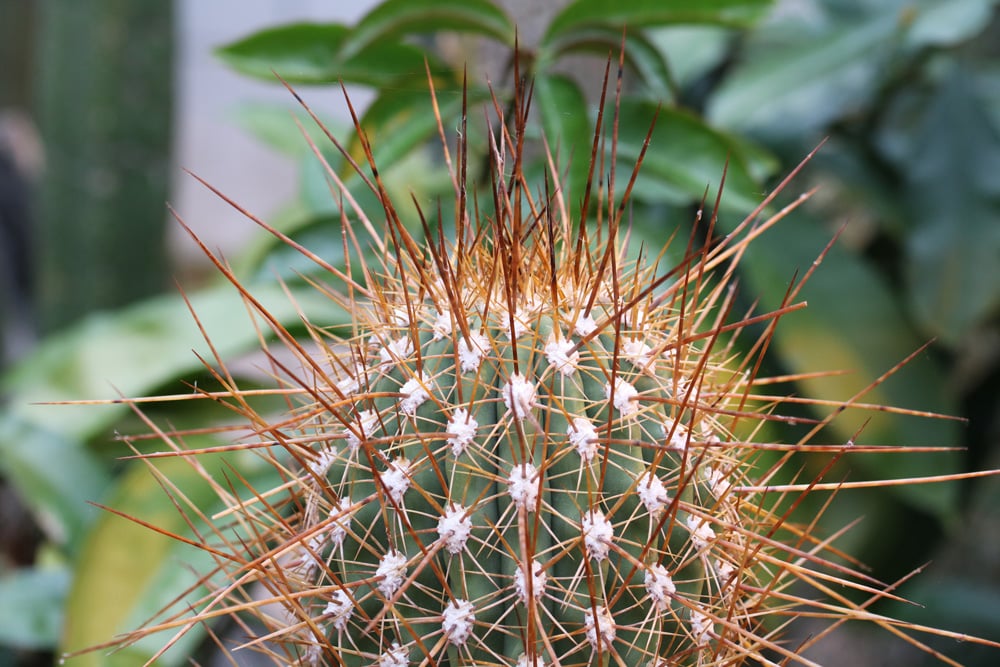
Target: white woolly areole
<point>454,528</point>
<point>602,622</point>
<point>724,570</point>
<point>392,569</point>
<point>394,656</point>
<point>525,661</point>
<point>415,392</point>
<point>519,326</point>
<point>396,478</point>
<point>538,579</point>
<point>701,532</point>
<point>701,628</point>
<point>339,609</point>
<point>583,436</point>
<point>400,317</point>
<point>341,521</point>
<point>519,395</point>
<point>442,326</point>
<point>456,621</point>
<point>679,440</point>
<point>462,428</point>
<point>471,351</point>
<point>523,486</point>
<point>322,462</point>
<point>396,350</point>
<point>364,424</point>
<point>597,534</point>
<point>623,397</point>
<point>717,482</point>
<point>558,351</point>
<point>659,586</point>
<point>584,326</point>
<point>637,353</point>
<point>651,492</point>
<point>351,382</point>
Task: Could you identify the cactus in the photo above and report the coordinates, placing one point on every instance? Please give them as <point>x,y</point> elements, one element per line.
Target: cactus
<point>536,447</point>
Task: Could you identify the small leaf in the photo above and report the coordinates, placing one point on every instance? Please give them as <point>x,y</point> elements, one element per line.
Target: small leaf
<point>394,18</point>
<point>127,573</point>
<point>640,54</point>
<point>566,126</point>
<point>310,53</point>
<point>948,149</point>
<point>31,602</point>
<point>400,120</point>
<point>853,324</point>
<point>274,125</point>
<point>138,349</point>
<point>55,477</point>
<point>948,23</point>
<point>686,158</point>
<point>637,14</point>
<point>807,81</point>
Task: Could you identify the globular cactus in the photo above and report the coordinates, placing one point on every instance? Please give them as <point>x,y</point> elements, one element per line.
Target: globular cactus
<point>538,447</point>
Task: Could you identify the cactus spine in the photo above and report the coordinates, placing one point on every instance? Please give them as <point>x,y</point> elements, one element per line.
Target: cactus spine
<point>535,449</point>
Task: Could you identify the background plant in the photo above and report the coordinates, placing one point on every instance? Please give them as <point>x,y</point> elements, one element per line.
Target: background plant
<point>906,91</point>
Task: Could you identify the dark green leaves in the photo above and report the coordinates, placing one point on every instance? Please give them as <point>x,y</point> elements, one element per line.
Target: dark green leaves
<point>951,155</point>
<point>397,18</point>
<point>639,14</point>
<point>308,53</point>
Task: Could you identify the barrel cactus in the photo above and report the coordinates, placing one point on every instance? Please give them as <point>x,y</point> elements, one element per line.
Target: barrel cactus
<point>539,446</point>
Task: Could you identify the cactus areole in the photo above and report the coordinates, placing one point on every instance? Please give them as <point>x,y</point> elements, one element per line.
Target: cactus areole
<point>533,449</point>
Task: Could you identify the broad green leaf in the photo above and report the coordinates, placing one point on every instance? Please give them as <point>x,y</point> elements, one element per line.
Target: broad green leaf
<point>392,19</point>
<point>639,14</point>
<point>310,53</point>
<point>127,572</point>
<point>854,324</point>
<point>136,350</point>
<point>686,158</point>
<point>942,23</point>
<point>274,125</point>
<point>691,51</point>
<point>950,162</point>
<point>54,476</point>
<point>400,120</point>
<point>805,81</point>
<point>31,607</point>
<point>640,54</point>
<point>567,128</point>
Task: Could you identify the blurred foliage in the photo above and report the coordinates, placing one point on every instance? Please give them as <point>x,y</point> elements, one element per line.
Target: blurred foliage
<point>906,94</point>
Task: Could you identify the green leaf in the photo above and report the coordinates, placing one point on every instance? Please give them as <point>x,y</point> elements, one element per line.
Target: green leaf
<point>31,602</point>
<point>128,573</point>
<point>949,158</point>
<point>854,324</point>
<point>400,120</point>
<point>943,23</point>
<point>686,158</point>
<point>640,54</point>
<point>310,53</point>
<point>274,125</point>
<point>55,477</point>
<point>638,14</point>
<point>138,349</point>
<point>394,18</point>
<point>691,51</point>
<point>567,128</point>
<point>806,81</point>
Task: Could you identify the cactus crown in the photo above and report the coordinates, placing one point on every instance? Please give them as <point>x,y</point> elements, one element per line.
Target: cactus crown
<point>536,448</point>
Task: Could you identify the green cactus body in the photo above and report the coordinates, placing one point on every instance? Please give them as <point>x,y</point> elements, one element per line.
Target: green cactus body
<point>528,478</point>
<point>532,451</point>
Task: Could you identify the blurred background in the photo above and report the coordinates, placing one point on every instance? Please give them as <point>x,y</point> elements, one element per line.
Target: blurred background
<point>105,103</point>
